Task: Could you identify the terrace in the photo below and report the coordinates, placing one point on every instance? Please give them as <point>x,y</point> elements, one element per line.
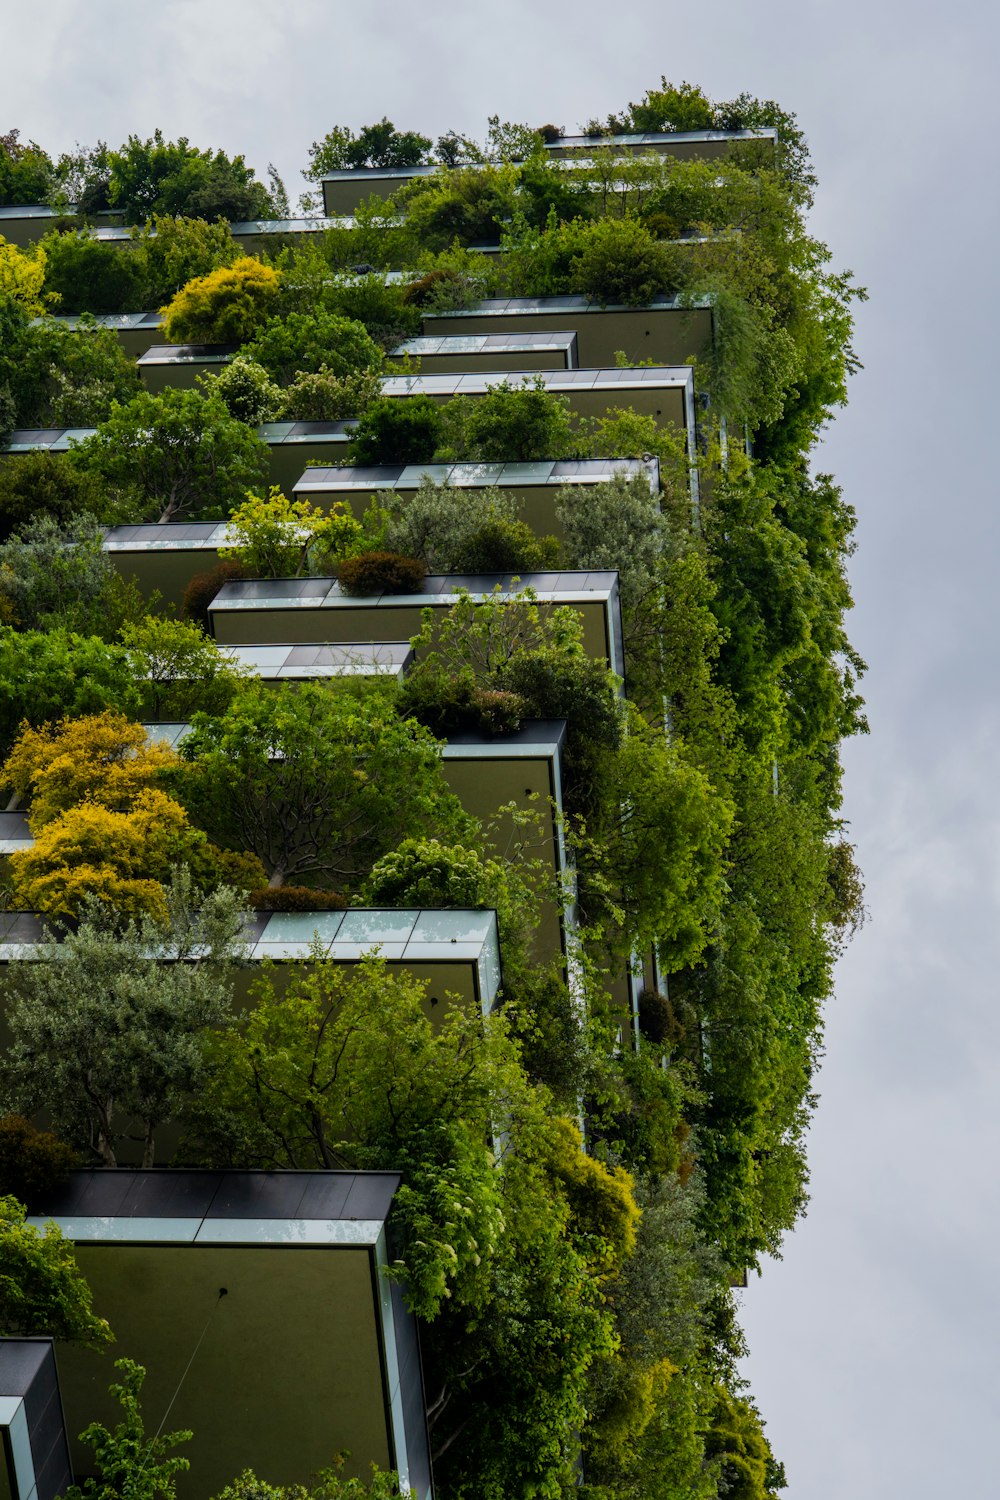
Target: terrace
<point>523,349</point>
<point>305,610</point>
<point>278,1276</point>
<point>670,330</point>
<point>533,485</point>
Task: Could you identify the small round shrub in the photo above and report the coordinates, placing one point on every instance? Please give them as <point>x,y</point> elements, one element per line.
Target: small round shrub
<point>426,872</point>
<point>296,898</point>
<point>204,586</point>
<point>32,1162</point>
<point>381,572</point>
<point>550,133</point>
<point>498,712</point>
<point>228,306</point>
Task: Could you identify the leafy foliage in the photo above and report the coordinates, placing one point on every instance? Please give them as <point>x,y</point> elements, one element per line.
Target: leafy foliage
<point>130,1465</point>
<point>181,452</point>
<point>41,1290</point>
<point>228,306</point>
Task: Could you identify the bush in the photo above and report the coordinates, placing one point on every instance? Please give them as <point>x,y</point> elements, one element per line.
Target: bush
<point>397,432</point>
<point>510,424</point>
<point>250,394</point>
<point>204,586</point>
<point>426,872</point>
<point>622,262</point>
<point>450,705</point>
<point>444,287</point>
<point>228,306</point>
<point>32,1162</point>
<point>296,898</point>
<point>381,572</point>
<point>322,396</point>
<point>503,545</point>
<point>39,484</point>
<point>287,346</point>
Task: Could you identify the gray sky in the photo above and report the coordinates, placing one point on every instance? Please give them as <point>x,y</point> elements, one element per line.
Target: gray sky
<point>873,1340</point>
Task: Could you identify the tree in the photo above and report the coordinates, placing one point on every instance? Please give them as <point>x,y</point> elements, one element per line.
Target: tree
<point>508,424</point>
<point>391,431</point>
<point>174,250</point>
<point>42,1292</point>
<point>319,780</point>
<point>274,537</point>
<point>250,395</point>
<point>467,531</point>
<point>228,306</point>
<point>103,758</point>
<point>309,342</point>
<point>50,569</point>
<point>620,261</point>
<point>22,276</point>
<point>617,524</point>
<point>26,170</point>
<point>83,274</point>
<point>380,145</point>
<point>108,1026</point>
<point>41,483</point>
<point>344,1068</point>
<point>172,177</point>
<point>46,674</point>
<point>72,377</point>
<point>130,1465</point>
<point>182,452</point>
<point>178,669</point>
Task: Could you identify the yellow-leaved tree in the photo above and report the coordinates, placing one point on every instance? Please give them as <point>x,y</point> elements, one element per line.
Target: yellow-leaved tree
<point>227,306</point>
<point>275,537</point>
<point>22,276</point>
<point>103,826</point>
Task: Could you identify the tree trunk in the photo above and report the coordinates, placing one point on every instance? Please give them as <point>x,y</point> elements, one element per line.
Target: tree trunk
<point>149,1148</point>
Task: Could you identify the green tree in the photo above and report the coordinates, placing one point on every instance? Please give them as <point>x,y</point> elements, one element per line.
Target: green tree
<point>174,250</point>
<point>45,675</point>
<point>397,432</point>
<point>621,262</point>
<point>43,484</point>
<point>50,569</point>
<point>180,451</point>
<point>308,342</point>
<point>508,424</point>
<point>26,171</point>
<point>108,1038</point>
<point>42,1292</point>
<point>87,275</point>
<point>274,537</point>
<point>130,1466</point>
<point>172,177</point>
<point>250,395</point>
<point>177,668</point>
<point>318,781</point>
<point>379,145</point>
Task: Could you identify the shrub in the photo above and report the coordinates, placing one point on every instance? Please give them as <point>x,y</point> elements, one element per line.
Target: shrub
<point>442,287</point>
<point>397,432</point>
<point>296,898</point>
<point>509,424</point>
<point>46,484</point>
<point>287,346</point>
<point>228,306</point>
<point>498,711</point>
<point>248,391</point>
<point>426,872</point>
<point>32,1162</point>
<point>500,544</point>
<point>381,572</point>
<point>204,586</point>
<point>322,396</point>
<point>620,262</point>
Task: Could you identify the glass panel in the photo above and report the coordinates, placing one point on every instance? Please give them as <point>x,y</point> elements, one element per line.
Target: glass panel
<point>301,927</point>
<point>448,927</point>
<point>370,927</point>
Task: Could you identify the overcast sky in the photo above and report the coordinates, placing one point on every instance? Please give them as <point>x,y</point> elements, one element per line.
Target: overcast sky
<point>873,1341</point>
